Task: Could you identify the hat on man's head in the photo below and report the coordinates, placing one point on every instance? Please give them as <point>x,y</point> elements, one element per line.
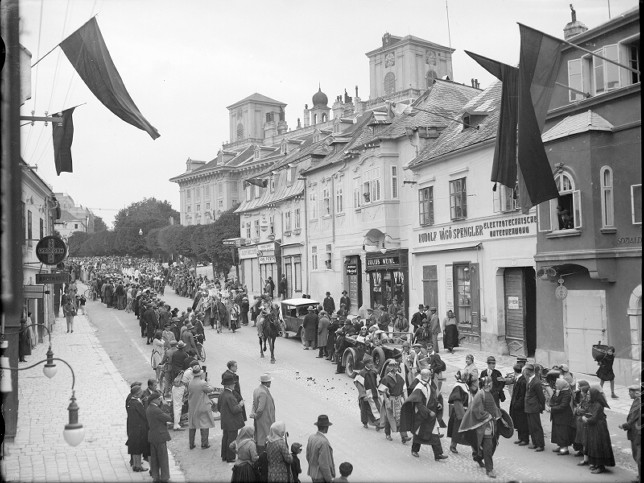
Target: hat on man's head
<point>310,308</point>
<point>344,292</point>
<point>136,383</point>
<point>323,421</point>
<point>433,309</point>
<point>367,359</point>
<point>491,359</point>
<point>265,378</point>
<point>136,391</point>
<point>228,380</point>
<point>328,293</point>
<point>173,343</point>
<point>181,344</point>
<point>153,396</point>
<point>522,360</point>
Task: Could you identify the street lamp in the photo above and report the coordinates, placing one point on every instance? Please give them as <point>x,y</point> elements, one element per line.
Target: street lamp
<point>74,433</point>
<point>140,232</point>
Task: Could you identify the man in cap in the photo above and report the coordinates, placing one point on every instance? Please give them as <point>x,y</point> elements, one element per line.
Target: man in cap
<point>434,327</point>
<point>151,320</point>
<point>310,327</point>
<point>346,301</point>
<point>166,363</point>
<point>158,436</point>
<point>232,416</point>
<point>263,411</point>
<point>633,426</point>
<point>328,304</point>
<point>498,381</point>
<point>392,389</point>
<point>535,403</point>
<point>319,453</point>
<point>423,335</point>
<point>368,397</point>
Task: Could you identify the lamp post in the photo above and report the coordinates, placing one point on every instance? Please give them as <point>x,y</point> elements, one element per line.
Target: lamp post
<point>74,433</point>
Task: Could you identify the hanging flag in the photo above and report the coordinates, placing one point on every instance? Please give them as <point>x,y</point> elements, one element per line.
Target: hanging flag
<point>63,134</point>
<point>87,52</point>
<point>539,62</point>
<point>263,183</point>
<point>504,165</point>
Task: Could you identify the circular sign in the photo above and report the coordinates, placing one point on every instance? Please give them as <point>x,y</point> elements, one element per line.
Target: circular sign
<point>51,250</point>
<point>561,292</point>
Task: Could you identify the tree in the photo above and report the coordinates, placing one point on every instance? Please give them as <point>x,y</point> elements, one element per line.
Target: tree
<point>145,215</point>
<point>75,242</point>
<point>212,241</point>
<point>99,224</point>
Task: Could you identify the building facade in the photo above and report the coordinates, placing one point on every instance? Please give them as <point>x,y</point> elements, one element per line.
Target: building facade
<point>589,245</point>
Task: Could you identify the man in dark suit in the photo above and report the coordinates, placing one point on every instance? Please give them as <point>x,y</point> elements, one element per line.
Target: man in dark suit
<point>346,301</point>
<point>329,304</point>
<point>418,317</point>
<point>517,408</point>
<point>158,436</point>
<point>232,371</point>
<point>535,403</point>
<point>319,453</point>
<point>232,418</point>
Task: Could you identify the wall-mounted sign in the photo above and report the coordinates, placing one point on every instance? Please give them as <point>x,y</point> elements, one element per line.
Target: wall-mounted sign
<point>383,261</point>
<point>352,269</point>
<point>513,303</point>
<point>269,259</point>
<point>488,230</point>
<point>250,252</point>
<point>63,277</point>
<point>51,250</point>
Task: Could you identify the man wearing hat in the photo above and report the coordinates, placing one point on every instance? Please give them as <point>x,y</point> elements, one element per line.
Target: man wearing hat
<point>137,429</point>
<point>328,304</point>
<point>263,411</point>
<point>423,336</point>
<point>346,301</point>
<point>310,327</point>
<point>323,333</point>
<point>188,338</point>
<point>199,407</point>
<point>517,407</point>
<point>368,397</point>
<point>498,381</point>
<point>330,343</point>
<point>418,317</point>
<point>535,403</point>
<point>633,426</point>
<point>282,287</point>
<point>434,327</point>
<point>158,436</point>
<point>151,320</point>
<point>177,362</point>
<point>319,453</point>
<point>232,417</point>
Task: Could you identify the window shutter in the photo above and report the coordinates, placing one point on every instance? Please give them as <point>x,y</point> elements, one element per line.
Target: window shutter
<point>576,202</point>
<point>543,211</point>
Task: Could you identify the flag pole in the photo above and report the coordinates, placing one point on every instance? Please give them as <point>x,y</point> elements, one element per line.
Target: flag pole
<point>584,50</point>
<point>585,94</point>
<point>58,44</point>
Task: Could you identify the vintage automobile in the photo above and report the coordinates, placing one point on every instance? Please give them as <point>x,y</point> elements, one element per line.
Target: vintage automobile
<point>293,312</point>
<point>388,347</point>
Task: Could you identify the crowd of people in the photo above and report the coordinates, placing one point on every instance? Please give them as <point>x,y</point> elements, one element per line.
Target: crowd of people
<point>405,397</point>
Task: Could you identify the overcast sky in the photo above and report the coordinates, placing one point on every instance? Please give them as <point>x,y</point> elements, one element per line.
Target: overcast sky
<point>183,62</point>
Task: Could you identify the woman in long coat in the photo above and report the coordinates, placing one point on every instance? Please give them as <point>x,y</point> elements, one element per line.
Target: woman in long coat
<point>323,333</point>
<point>246,450</point>
<point>137,429</point>
<point>199,409</point>
<point>582,403</point>
<point>597,444</point>
<point>458,402</point>
<point>563,421</point>
<point>279,456</point>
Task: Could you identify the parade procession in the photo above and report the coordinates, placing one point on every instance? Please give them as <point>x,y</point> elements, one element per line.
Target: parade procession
<point>433,274</point>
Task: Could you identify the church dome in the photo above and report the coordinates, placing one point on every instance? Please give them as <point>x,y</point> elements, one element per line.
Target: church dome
<point>320,98</point>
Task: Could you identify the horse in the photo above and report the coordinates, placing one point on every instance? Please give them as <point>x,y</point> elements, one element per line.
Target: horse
<point>268,328</point>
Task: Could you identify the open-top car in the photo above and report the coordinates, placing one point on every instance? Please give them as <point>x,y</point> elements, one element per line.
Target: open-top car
<point>387,347</point>
<point>293,312</point>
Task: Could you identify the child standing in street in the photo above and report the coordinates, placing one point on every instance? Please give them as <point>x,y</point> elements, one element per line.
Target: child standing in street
<point>296,468</point>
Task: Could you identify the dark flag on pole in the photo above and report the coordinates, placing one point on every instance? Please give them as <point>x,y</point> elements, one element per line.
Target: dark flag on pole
<point>504,166</point>
<point>63,133</point>
<point>87,52</point>
<point>538,67</point>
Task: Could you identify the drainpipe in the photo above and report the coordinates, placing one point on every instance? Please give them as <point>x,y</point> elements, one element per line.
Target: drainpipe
<point>306,238</point>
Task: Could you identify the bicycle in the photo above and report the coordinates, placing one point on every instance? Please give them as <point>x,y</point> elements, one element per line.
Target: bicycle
<point>90,294</point>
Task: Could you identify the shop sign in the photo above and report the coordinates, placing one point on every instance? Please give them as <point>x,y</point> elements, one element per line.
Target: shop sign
<point>268,259</point>
<point>488,230</point>
<point>383,262</point>
<point>513,303</point>
<point>352,269</point>
<point>51,250</point>
<point>245,253</point>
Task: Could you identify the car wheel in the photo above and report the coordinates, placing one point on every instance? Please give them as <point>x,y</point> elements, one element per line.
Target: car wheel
<point>349,363</point>
<point>379,358</point>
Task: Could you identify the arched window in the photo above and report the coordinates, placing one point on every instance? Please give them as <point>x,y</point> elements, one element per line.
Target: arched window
<point>563,213</point>
<point>324,118</point>
<point>390,83</point>
<point>606,183</point>
<point>240,131</point>
<point>315,119</point>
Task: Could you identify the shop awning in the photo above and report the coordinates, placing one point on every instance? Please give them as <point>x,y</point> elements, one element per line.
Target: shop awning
<point>449,248</point>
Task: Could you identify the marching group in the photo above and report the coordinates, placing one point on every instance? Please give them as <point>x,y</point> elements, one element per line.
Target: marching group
<point>405,397</point>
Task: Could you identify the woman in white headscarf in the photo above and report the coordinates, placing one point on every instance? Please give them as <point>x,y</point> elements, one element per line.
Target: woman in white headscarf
<point>279,456</point>
<point>246,451</point>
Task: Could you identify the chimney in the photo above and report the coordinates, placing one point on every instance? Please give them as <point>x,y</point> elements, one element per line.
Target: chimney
<point>574,27</point>
<point>282,127</point>
<point>307,117</point>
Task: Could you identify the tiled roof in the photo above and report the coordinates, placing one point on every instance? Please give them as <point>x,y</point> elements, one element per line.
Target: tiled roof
<point>444,99</point>
<point>282,192</point>
<point>454,137</point>
<point>256,97</point>
<point>583,122</point>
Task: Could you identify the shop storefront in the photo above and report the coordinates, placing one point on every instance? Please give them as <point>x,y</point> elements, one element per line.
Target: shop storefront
<point>257,263</point>
<point>388,278</point>
<point>249,269</point>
